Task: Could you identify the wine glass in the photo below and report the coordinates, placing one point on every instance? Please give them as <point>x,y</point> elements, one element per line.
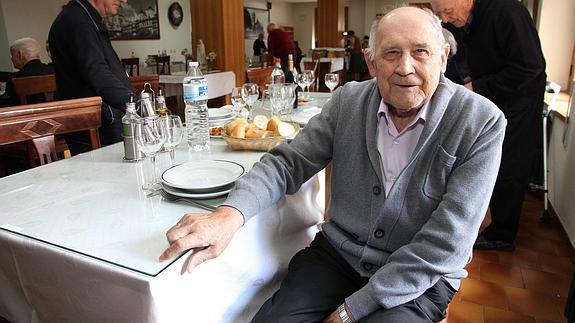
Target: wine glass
<point>300,79</point>
<point>309,79</point>
<point>150,137</point>
<point>238,101</point>
<point>250,93</point>
<point>331,81</point>
<point>174,132</point>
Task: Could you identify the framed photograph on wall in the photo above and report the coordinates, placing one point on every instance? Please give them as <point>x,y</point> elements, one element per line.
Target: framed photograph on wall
<point>136,19</point>
<point>255,22</point>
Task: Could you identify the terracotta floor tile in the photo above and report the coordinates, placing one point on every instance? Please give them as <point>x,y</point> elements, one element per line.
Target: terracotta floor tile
<point>557,264</point>
<point>485,293</point>
<point>495,315</point>
<point>547,283</point>
<point>476,262</point>
<point>524,258</point>
<point>546,321</point>
<point>536,244</point>
<point>532,303</point>
<point>563,249</point>
<point>465,312</point>
<point>483,256</point>
<point>501,274</point>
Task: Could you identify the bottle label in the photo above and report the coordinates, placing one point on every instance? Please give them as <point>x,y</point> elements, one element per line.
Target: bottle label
<point>195,92</point>
<point>127,129</point>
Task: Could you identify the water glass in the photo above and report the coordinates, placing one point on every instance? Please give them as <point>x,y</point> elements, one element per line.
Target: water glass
<point>300,79</point>
<point>238,101</point>
<point>331,81</point>
<point>309,77</point>
<point>250,94</point>
<point>174,132</point>
<point>150,137</point>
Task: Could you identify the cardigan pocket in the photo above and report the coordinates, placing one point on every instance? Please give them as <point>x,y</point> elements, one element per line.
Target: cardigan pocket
<point>435,183</point>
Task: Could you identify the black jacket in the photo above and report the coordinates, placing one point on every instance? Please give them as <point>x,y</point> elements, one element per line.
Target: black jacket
<point>85,63</point>
<point>504,55</point>
<point>33,68</point>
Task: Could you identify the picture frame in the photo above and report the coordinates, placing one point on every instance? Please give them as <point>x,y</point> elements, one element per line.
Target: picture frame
<point>255,22</point>
<point>136,19</point>
<point>175,14</point>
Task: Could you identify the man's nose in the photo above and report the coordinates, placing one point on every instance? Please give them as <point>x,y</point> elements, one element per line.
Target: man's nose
<point>444,18</point>
<point>405,65</point>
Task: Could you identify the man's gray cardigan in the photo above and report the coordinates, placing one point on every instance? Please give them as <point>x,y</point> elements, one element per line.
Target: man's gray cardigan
<point>433,212</point>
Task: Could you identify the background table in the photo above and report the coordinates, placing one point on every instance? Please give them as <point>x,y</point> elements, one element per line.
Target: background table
<point>79,242</point>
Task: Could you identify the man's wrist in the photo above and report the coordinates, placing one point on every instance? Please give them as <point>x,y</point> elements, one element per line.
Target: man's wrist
<point>343,314</point>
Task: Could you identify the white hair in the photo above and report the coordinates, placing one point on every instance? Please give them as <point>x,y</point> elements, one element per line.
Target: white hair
<point>28,47</point>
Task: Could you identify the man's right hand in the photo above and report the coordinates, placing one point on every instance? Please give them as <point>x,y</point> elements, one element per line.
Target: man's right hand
<point>208,234</point>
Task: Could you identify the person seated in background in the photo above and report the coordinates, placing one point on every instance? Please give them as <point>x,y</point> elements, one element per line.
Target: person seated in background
<point>414,158</point>
<point>298,56</point>
<point>452,71</point>
<point>25,56</point>
<point>260,46</point>
<point>355,56</point>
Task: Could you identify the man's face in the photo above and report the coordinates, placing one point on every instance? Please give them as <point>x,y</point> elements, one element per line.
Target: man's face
<point>107,8</point>
<point>408,60</point>
<point>455,12</point>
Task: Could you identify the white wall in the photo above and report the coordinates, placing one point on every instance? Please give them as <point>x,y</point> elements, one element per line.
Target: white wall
<point>5,64</point>
<point>556,28</point>
<point>357,18</point>
<point>33,18</point>
<point>303,14</point>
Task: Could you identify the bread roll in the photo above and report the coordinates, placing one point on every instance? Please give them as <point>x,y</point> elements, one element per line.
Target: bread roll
<point>230,127</point>
<point>255,133</point>
<point>239,131</point>
<point>273,124</point>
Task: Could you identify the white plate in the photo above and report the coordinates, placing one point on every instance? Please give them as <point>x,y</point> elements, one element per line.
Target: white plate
<point>199,196</point>
<point>302,116</point>
<point>220,113</point>
<point>201,175</point>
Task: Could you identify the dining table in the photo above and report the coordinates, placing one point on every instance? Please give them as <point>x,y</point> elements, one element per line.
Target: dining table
<point>80,241</point>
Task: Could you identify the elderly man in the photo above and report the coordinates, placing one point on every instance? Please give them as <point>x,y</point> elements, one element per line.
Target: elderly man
<point>506,65</point>
<point>25,56</point>
<point>86,65</point>
<point>414,159</point>
<point>280,46</point>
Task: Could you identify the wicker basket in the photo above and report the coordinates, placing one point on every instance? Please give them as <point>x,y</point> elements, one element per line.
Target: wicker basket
<point>260,144</point>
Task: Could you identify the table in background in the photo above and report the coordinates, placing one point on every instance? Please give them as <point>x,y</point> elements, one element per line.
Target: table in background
<point>79,241</point>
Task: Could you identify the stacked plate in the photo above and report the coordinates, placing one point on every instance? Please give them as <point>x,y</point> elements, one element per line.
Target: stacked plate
<point>218,117</point>
<point>201,179</point>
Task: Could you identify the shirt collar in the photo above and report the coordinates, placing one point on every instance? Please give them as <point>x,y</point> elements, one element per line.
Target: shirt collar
<point>421,116</point>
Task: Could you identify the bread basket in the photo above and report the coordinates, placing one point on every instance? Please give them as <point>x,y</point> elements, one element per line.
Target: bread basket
<point>259,144</point>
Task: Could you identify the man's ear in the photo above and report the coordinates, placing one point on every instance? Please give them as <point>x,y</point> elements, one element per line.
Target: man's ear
<point>370,62</point>
<point>444,56</point>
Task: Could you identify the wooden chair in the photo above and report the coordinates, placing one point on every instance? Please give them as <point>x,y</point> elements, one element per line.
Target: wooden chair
<point>319,69</point>
<point>260,76</point>
<point>162,65</point>
<point>37,124</point>
<point>130,63</point>
<point>139,81</point>
<point>35,85</point>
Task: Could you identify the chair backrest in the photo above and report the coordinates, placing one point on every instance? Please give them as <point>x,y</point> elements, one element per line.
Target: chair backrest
<point>163,65</point>
<point>30,85</point>
<point>5,76</point>
<point>130,63</point>
<point>38,123</point>
<point>260,76</point>
<point>139,81</point>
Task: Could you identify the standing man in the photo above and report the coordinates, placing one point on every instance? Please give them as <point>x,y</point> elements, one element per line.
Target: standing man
<point>25,56</point>
<point>414,158</point>
<point>86,65</point>
<point>280,46</point>
<point>260,46</point>
<point>506,65</point>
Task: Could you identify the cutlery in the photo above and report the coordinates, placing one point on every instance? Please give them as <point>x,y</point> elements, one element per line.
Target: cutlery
<point>169,197</point>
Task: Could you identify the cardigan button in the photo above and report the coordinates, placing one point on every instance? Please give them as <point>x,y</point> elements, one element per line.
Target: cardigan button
<point>379,233</point>
<point>377,190</point>
<point>367,266</point>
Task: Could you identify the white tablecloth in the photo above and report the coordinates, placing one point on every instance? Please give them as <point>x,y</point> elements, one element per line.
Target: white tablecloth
<point>336,63</point>
<point>219,84</point>
<point>80,241</point>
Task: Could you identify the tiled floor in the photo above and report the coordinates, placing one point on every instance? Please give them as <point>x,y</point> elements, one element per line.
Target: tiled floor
<point>528,285</point>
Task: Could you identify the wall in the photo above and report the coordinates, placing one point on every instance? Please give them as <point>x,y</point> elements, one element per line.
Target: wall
<point>303,14</point>
<point>43,12</point>
<point>356,18</point>
<point>556,27</point>
<point>5,63</point>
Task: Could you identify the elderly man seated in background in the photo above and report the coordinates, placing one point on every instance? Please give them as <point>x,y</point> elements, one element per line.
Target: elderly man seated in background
<point>25,56</point>
<point>415,158</point>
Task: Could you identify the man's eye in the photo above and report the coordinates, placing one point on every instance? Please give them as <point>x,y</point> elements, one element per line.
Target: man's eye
<point>421,52</point>
<point>390,54</point>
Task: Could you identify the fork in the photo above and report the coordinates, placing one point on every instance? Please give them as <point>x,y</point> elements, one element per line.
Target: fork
<point>173,198</point>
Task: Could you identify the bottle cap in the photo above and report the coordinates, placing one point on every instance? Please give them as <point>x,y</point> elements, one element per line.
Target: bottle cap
<point>277,60</point>
<point>194,64</point>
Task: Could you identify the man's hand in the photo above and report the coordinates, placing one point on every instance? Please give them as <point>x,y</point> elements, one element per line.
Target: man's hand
<point>332,318</point>
<point>208,234</point>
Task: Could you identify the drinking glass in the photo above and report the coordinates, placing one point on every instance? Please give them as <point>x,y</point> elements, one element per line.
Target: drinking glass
<point>150,137</point>
<point>250,93</point>
<point>331,81</point>
<point>238,101</point>
<point>174,132</point>
<point>300,79</point>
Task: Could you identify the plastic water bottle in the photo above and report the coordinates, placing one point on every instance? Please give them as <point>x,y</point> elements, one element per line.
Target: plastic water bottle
<point>278,75</point>
<point>131,150</point>
<point>196,98</point>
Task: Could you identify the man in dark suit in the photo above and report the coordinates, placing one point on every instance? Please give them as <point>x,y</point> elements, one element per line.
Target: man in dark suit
<point>25,56</point>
